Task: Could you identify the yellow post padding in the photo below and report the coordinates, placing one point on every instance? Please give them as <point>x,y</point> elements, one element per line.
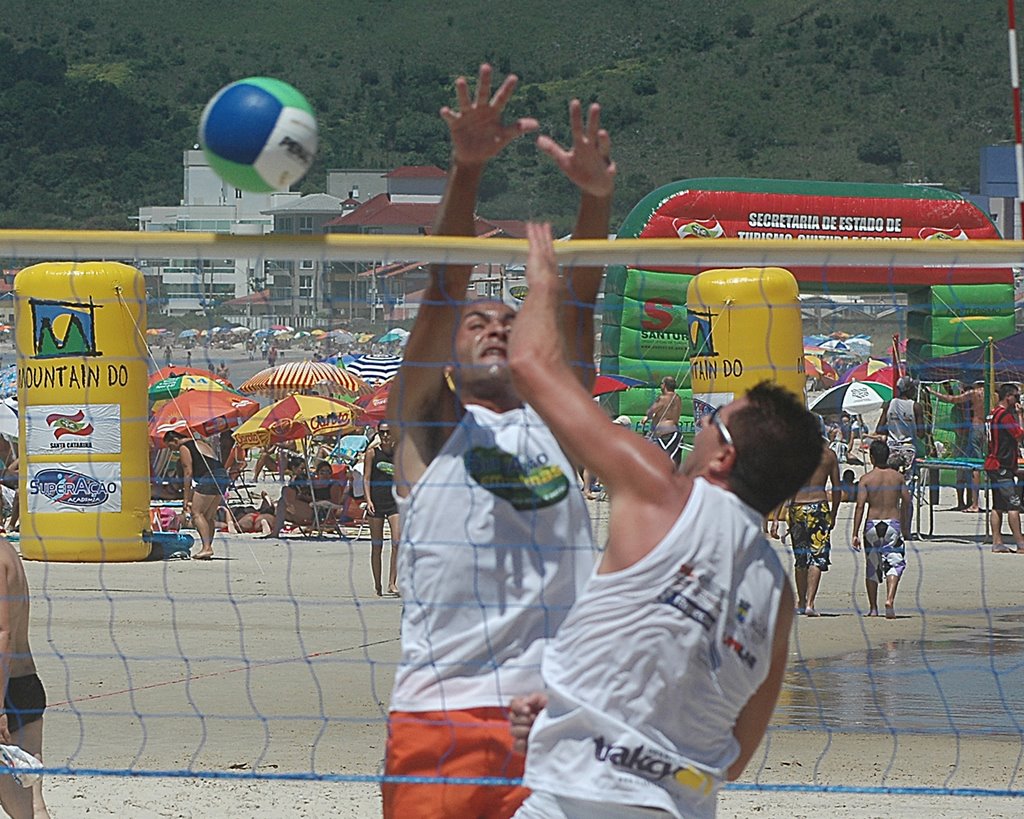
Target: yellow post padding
<point>744,327</point>
<point>83,482</point>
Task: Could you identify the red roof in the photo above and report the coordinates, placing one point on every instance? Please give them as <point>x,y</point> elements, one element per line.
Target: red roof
<point>416,172</point>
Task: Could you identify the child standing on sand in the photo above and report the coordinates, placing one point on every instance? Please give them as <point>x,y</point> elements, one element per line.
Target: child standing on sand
<point>884,492</point>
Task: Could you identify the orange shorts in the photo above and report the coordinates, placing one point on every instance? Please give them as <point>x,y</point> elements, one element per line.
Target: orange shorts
<point>474,743</point>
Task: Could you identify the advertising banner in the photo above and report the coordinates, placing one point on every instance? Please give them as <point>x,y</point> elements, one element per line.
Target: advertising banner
<point>87,429</point>
<point>81,487</point>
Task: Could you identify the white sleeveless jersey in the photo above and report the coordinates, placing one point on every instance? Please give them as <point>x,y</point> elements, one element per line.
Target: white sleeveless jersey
<point>495,546</point>
<point>655,662</point>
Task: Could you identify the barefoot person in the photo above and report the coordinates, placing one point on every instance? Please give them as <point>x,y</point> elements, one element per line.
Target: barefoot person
<point>1004,438</point>
<point>379,469</point>
<point>204,480</point>
<point>810,520</point>
<point>496,539</point>
<point>660,683</point>
<point>883,494</point>
<point>21,723</point>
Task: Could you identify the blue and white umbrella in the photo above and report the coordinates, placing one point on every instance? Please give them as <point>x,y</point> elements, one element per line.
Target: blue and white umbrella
<point>190,333</point>
<point>397,334</point>
<point>374,369</point>
<point>9,381</point>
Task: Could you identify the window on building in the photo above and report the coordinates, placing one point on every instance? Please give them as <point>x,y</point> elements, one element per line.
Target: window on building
<point>238,193</point>
<point>307,264</point>
<point>305,224</point>
<point>305,287</point>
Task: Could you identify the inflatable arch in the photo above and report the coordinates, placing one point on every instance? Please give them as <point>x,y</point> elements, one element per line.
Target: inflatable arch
<point>645,333</point>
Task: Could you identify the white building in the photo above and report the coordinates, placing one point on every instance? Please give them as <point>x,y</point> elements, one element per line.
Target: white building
<point>177,286</point>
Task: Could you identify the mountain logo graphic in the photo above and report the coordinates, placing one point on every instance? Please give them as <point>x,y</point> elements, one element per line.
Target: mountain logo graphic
<point>61,329</point>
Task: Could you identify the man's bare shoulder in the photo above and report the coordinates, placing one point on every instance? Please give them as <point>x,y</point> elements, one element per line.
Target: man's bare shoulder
<point>881,478</point>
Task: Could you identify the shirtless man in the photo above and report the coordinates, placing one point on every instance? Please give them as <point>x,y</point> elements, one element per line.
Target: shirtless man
<point>21,723</point>
<point>663,420</point>
<point>884,494</point>
<point>810,521</point>
<point>977,442</point>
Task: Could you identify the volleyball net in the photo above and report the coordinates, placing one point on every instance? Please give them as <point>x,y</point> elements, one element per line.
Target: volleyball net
<point>275,661</point>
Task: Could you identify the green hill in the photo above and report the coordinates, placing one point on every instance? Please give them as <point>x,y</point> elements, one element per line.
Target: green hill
<point>98,100</point>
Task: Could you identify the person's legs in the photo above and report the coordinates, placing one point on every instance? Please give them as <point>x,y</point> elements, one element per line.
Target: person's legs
<point>394,526</point>
<point>813,579</point>
<point>1013,519</point>
<point>204,511</point>
<point>892,582</point>
<point>996,519</point>
<point>376,549</point>
<point>800,575</point>
<point>872,589</point>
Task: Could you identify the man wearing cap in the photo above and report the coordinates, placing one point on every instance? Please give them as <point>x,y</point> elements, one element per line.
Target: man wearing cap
<point>973,401</point>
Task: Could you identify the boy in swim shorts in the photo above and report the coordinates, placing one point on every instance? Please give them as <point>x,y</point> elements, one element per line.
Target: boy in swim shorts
<point>811,514</point>
<point>884,496</point>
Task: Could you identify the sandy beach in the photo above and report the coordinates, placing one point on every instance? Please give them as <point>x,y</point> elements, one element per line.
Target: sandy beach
<point>276,658</point>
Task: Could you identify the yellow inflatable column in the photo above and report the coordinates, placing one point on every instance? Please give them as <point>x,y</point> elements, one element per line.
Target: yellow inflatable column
<point>744,328</point>
<point>82,393</point>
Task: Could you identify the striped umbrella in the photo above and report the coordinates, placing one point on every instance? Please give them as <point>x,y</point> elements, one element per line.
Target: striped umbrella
<point>374,369</point>
<point>204,413</point>
<point>304,376</point>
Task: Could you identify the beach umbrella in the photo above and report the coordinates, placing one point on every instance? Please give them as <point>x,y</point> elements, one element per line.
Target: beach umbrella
<point>375,405</point>
<point>856,398</point>
<point>190,333</point>
<point>203,413</point>
<point>816,366</point>
<point>304,376</point>
<point>874,369</point>
<point>341,336</point>
<point>263,333</point>
<point>374,369</point>
<point>604,384</point>
<point>282,327</point>
<point>176,370</point>
<point>397,334</point>
<point>240,330</point>
<point>835,345</point>
<point>9,418</point>
<point>297,416</point>
<point>9,381</point>
<point>175,385</point>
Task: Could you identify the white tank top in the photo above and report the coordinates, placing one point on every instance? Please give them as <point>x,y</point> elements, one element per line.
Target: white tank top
<point>650,670</point>
<point>900,421</point>
<point>495,545</point>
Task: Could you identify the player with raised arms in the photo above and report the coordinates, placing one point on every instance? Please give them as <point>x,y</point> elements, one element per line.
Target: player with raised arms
<point>688,591</point>
<point>496,539</point>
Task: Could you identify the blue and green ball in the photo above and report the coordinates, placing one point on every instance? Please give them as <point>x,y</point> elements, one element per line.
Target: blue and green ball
<point>259,134</point>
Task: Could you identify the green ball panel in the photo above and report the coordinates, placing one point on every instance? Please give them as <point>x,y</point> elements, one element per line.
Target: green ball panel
<point>287,95</point>
<point>243,177</point>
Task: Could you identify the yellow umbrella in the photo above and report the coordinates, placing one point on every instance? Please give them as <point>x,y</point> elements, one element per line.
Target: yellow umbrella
<point>297,416</point>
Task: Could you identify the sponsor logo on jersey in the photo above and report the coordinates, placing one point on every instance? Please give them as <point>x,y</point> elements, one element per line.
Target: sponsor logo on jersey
<point>526,483</point>
<point>652,765</point>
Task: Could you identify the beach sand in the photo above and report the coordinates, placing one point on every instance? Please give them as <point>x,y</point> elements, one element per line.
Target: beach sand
<point>276,658</point>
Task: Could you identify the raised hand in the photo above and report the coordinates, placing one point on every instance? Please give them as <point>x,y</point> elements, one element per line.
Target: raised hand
<point>477,130</point>
<point>541,262</point>
<point>588,162</point>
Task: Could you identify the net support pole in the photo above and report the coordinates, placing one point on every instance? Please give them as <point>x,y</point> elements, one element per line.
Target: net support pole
<point>1018,146</point>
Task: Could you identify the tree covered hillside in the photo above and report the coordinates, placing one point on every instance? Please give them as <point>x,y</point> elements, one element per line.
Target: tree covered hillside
<point>99,99</point>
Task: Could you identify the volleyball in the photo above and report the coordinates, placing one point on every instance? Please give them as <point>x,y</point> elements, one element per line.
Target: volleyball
<point>259,134</point>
